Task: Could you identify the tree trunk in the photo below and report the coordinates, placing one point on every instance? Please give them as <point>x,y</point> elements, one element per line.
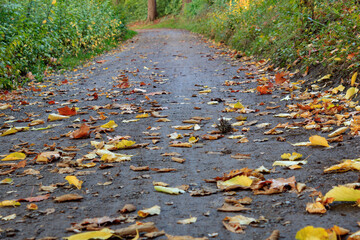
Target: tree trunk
<point>151,11</point>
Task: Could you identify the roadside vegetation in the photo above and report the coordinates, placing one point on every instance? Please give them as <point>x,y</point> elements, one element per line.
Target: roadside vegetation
<point>37,37</point>
<point>296,34</point>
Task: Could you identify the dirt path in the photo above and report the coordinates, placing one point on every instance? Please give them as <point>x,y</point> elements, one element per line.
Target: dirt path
<point>170,72</point>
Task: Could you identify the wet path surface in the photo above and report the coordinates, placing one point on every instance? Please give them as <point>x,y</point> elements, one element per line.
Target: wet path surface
<point>158,80</point>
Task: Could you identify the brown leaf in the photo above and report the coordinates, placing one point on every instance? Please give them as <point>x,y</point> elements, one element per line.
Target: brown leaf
<point>315,207</point>
<point>68,198</point>
<point>170,237</point>
<point>82,132</point>
<point>34,199</point>
<point>184,145</point>
<point>179,160</point>
<point>163,169</point>
<point>137,227</point>
<point>241,156</point>
<point>212,137</point>
<point>273,186</point>
<point>235,228</point>
<point>46,157</point>
<point>275,235</point>
<point>226,207</point>
<point>128,208</point>
<point>140,168</point>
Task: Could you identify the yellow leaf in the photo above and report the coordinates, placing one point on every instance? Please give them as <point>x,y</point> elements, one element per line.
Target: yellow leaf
<point>9,203</point>
<point>144,115</point>
<point>14,156</point>
<point>328,76</point>
<point>205,91</point>
<point>124,144</point>
<point>351,92</point>
<point>193,140</point>
<point>56,117</point>
<point>238,105</point>
<point>343,194</point>
<point>338,131</point>
<point>311,233</point>
<point>337,59</point>
<point>292,156</point>
<point>317,140</point>
<point>15,130</point>
<point>345,166</point>
<point>353,78</point>
<point>137,235</point>
<point>155,210</point>
<point>53,2</point>
<point>101,235</point>
<point>32,206</point>
<point>44,21</point>
<point>6,181</point>
<point>238,180</point>
<point>169,190</point>
<point>110,124</point>
<point>73,180</point>
<point>339,88</point>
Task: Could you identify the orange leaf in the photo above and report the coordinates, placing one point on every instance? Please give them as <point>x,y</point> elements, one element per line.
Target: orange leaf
<point>318,141</point>
<point>263,90</point>
<point>83,132</point>
<point>66,111</point>
<point>279,78</point>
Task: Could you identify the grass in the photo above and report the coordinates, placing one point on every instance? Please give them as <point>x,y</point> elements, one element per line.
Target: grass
<point>71,61</point>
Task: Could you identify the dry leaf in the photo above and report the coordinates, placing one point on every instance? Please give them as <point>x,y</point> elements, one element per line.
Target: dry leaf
<point>212,137</point>
<point>318,141</point>
<point>103,234</point>
<point>140,168</point>
<point>185,127</point>
<point>179,160</point>
<point>310,232</point>
<point>9,203</point>
<point>187,221</point>
<point>46,157</point>
<point>184,145</point>
<point>240,156</point>
<point>155,210</point>
<point>68,198</point>
<point>66,111</point>
<point>111,124</point>
<point>343,194</point>
<point>292,156</point>
<point>338,132</point>
<point>128,208</point>
<point>170,237</point>
<point>169,190</point>
<point>345,166</point>
<point>14,156</point>
<point>74,181</point>
<point>137,227</point>
<point>232,208</point>
<point>315,207</point>
<point>56,117</point>
<point>83,132</point>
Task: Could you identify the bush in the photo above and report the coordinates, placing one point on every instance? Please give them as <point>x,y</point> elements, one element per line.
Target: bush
<point>36,32</point>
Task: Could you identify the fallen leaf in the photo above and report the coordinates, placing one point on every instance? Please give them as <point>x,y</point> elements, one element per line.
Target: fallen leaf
<point>128,208</point>
<point>184,127</point>
<point>46,157</point>
<point>316,207</point>
<point>34,199</point>
<point>15,130</point>
<point>184,145</point>
<point>240,156</point>
<point>179,160</point>
<point>137,227</point>
<point>232,208</point>
<point>140,168</point>
<point>169,190</point>
<point>309,233</point>
<point>145,115</point>
<point>32,206</point>
<point>171,237</point>
<point>155,210</point>
<point>343,194</point>
<point>55,117</point>
<point>292,156</point>
<point>74,181</point>
<point>68,198</point>
<point>9,203</point>
<point>318,141</point>
<point>9,217</point>
<point>123,144</point>
<point>6,181</point>
<point>83,132</point>
<point>345,166</point>
<point>351,92</point>
<point>263,90</point>
<point>241,181</point>
<point>66,111</point>
<point>111,124</point>
<point>164,169</point>
<point>236,223</point>
<point>14,156</point>
<point>187,221</point>
<point>103,234</point>
<point>353,78</point>
<point>338,132</point>
<point>212,137</point>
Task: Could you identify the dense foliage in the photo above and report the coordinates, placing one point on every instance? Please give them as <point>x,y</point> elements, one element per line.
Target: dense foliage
<point>310,32</point>
<point>36,34</point>
<point>138,8</point>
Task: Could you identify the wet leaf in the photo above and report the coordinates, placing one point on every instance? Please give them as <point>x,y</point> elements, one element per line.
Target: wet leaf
<point>353,78</point>
<point>187,221</point>
<point>155,210</point>
<point>66,111</point>
<point>315,207</point>
<point>9,203</point>
<point>351,92</point>
<point>311,233</point>
<point>317,140</point>
<point>55,117</point>
<point>111,124</point>
<point>343,194</point>
<point>83,132</point>
<point>291,157</point>
<point>14,156</point>
<point>74,181</point>
<point>169,190</point>
<point>103,234</point>
<point>347,165</point>
<point>68,198</point>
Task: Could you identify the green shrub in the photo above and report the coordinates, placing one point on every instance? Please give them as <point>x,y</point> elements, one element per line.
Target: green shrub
<point>34,33</point>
